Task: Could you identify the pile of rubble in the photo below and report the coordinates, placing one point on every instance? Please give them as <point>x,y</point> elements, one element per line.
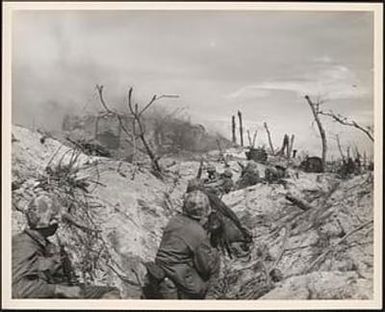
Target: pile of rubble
<point>323,252</point>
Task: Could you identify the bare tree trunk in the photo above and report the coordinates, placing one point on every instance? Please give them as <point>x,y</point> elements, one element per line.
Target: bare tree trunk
<point>348,152</point>
<point>137,120</point>
<point>249,138</point>
<point>233,129</point>
<point>315,110</point>
<point>290,148</point>
<point>240,127</point>
<point>269,138</point>
<point>356,151</point>
<point>285,144</point>
<point>254,137</point>
<point>340,148</point>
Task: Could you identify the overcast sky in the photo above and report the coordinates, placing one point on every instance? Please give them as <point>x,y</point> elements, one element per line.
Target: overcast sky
<point>218,62</point>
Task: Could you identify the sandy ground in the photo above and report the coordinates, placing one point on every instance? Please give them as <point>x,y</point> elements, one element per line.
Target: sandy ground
<point>322,253</point>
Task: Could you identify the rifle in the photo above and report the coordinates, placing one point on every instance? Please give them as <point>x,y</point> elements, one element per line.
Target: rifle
<point>242,167</point>
<point>199,174</point>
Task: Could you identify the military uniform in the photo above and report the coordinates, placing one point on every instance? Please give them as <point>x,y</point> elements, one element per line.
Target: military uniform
<point>223,224</point>
<point>32,266</point>
<point>185,253</point>
<point>250,176</point>
<point>38,269</point>
<point>222,184</point>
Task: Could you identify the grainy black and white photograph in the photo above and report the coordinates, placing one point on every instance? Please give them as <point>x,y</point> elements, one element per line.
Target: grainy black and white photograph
<point>211,154</point>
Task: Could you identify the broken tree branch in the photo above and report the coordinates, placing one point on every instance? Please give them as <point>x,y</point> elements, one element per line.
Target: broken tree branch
<point>156,98</point>
<point>137,117</point>
<point>300,203</point>
<point>344,121</point>
<point>332,247</point>
<point>99,88</point>
<point>69,218</point>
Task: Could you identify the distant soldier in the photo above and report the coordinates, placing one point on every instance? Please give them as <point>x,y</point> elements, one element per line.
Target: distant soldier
<point>212,174</point>
<point>275,174</point>
<point>250,176</point>
<point>312,164</point>
<point>222,185</point>
<point>227,182</point>
<point>38,266</point>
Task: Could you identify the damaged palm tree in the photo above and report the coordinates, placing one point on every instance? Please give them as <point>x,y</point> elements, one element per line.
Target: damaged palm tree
<point>269,138</point>
<point>240,127</point>
<point>233,125</point>
<point>315,108</point>
<point>137,114</point>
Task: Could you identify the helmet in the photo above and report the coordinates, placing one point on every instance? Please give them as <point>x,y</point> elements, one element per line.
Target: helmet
<point>42,210</point>
<point>251,166</point>
<point>211,168</point>
<point>196,205</point>
<point>228,173</point>
<point>193,184</point>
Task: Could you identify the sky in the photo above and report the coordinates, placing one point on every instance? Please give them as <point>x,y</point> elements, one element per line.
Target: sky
<point>218,62</point>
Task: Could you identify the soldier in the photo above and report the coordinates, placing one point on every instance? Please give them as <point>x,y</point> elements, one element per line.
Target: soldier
<point>212,174</point>
<point>37,264</point>
<point>185,254</point>
<point>227,182</point>
<point>222,185</point>
<point>223,225</point>
<point>275,174</point>
<point>249,176</point>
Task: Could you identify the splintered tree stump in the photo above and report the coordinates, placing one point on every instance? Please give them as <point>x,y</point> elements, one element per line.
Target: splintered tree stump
<point>300,203</point>
<point>240,127</point>
<point>234,138</point>
<point>269,138</point>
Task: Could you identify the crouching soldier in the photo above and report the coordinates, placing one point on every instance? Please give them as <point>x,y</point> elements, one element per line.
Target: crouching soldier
<point>37,264</point>
<point>212,174</point>
<point>223,185</point>
<point>185,254</point>
<point>250,176</point>
<point>275,174</point>
<point>227,181</point>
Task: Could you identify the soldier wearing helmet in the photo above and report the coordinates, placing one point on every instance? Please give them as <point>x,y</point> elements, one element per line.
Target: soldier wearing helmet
<point>222,183</point>
<point>227,183</point>
<point>37,264</point>
<point>212,174</point>
<point>185,254</point>
<point>249,176</point>
<point>275,174</point>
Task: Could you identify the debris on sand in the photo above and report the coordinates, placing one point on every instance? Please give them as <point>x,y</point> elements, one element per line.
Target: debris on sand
<point>312,236</point>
